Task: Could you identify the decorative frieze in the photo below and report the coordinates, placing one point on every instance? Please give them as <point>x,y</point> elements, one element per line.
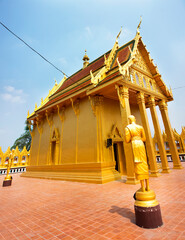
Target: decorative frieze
<point>95,101</point>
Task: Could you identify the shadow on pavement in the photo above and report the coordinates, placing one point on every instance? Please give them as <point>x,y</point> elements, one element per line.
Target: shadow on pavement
<point>124,212</point>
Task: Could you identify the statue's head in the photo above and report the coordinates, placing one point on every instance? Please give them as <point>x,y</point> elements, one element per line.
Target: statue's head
<point>131,119</point>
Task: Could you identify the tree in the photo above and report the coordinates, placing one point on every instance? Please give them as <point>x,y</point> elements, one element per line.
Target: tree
<point>24,139</point>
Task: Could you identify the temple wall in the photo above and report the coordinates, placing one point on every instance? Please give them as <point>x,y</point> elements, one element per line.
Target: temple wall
<point>110,116</point>
<point>78,134</point>
<point>77,137</point>
<point>87,133</point>
<point>35,147</point>
<point>68,139</point>
<point>44,144</point>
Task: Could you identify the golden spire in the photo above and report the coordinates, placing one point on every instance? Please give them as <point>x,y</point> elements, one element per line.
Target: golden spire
<point>118,34</point>
<point>85,59</point>
<point>139,26</point>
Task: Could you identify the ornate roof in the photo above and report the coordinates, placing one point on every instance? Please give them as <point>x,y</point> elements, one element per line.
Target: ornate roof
<point>115,62</point>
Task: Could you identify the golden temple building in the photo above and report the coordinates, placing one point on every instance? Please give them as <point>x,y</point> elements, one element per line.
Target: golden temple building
<point>78,128</point>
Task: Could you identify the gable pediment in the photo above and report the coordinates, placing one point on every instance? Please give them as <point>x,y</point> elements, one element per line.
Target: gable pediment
<point>141,64</point>
<point>115,133</point>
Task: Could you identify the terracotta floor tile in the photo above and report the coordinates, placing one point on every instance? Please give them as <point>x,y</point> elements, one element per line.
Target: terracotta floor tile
<point>41,209</point>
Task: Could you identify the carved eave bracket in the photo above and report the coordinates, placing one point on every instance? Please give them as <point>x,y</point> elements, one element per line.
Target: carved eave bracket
<point>76,106</point>
<point>50,121</point>
<point>122,94</point>
<point>61,113</point>
<point>29,127</point>
<point>40,128</point>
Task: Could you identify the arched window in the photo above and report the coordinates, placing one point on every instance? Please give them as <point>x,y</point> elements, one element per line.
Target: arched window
<point>151,86</point>
<point>177,144</point>
<point>144,82</point>
<point>137,78</point>
<point>15,159</point>
<point>6,160</point>
<point>156,147</point>
<point>23,159</point>
<point>167,146</point>
<point>131,78</point>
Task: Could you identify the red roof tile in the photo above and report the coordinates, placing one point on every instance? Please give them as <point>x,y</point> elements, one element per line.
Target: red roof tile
<point>83,73</point>
<point>123,54</point>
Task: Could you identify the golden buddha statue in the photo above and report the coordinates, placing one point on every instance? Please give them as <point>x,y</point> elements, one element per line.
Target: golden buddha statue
<point>135,134</point>
<point>147,208</point>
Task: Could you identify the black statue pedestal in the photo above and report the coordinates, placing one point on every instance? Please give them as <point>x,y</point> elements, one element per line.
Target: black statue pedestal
<point>147,210</point>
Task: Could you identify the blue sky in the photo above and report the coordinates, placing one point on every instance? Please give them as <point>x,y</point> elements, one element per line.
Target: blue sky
<point>62,29</point>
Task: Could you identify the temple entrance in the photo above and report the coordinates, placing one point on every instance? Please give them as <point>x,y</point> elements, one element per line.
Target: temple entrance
<point>115,146</point>
<point>53,152</point>
<point>119,157</point>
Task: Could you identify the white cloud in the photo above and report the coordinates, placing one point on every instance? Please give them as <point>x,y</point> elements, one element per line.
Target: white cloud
<point>9,88</point>
<point>88,32</point>
<point>62,61</point>
<point>13,95</point>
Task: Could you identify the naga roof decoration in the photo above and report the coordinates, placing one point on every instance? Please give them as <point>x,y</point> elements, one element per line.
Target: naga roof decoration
<point>98,72</point>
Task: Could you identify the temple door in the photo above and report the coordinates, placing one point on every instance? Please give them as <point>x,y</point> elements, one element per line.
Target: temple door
<point>119,157</point>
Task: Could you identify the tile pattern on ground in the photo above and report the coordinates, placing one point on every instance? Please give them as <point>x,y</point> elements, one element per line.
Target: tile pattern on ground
<point>38,209</point>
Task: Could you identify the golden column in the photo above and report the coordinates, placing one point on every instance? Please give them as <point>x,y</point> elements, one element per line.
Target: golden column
<point>175,156</point>
<point>40,130</point>
<point>149,144</point>
<point>165,167</point>
<point>125,113</point>
<point>76,109</point>
<point>97,107</point>
<point>62,117</point>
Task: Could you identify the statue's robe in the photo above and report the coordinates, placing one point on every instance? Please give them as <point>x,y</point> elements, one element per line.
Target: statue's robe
<point>135,134</point>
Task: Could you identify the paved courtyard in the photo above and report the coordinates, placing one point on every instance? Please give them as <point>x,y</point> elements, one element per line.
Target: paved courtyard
<point>40,209</point>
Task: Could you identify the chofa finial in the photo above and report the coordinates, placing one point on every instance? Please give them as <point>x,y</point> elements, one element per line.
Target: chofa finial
<point>119,34</point>
<point>139,26</point>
